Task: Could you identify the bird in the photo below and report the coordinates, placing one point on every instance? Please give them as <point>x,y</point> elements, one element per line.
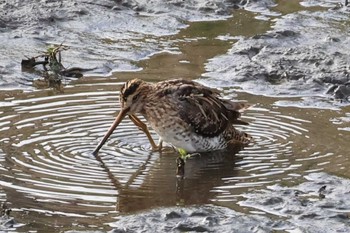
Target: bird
<point>184,113</point>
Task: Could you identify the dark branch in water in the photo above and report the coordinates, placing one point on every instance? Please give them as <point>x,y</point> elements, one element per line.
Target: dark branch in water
<point>180,167</point>
<point>31,62</point>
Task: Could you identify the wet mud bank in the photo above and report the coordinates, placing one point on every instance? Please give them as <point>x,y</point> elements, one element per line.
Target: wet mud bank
<point>104,36</point>
<point>320,204</point>
<point>303,55</point>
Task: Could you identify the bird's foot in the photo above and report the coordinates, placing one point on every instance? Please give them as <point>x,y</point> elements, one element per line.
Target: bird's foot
<point>159,147</point>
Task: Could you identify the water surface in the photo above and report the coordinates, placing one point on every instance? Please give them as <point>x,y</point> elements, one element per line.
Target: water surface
<point>49,173</point>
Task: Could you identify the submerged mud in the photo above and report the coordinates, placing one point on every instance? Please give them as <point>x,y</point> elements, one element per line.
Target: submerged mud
<point>8,223</point>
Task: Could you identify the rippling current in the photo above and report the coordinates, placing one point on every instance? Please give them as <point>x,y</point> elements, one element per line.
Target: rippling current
<point>47,169</point>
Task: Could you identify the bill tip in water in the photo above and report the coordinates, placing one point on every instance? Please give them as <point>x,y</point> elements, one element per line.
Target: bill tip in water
<point>95,152</point>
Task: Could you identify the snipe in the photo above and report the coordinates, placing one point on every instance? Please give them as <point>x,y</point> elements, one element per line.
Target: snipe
<point>183,113</point>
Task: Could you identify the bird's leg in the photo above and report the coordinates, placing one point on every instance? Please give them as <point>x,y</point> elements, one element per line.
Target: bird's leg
<point>160,144</point>
<point>143,127</point>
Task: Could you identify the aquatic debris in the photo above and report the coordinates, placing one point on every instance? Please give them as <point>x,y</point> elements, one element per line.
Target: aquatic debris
<point>53,69</point>
<point>180,167</point>
<point>321,191</point>
<point>5,211</point>
<point>181,161</point>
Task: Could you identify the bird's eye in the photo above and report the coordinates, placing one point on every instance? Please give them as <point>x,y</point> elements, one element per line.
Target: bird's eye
<point>135,97</point>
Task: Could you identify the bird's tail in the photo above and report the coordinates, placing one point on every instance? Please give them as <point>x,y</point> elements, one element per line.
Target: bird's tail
<point>240,137</point>
<point>234,110</point>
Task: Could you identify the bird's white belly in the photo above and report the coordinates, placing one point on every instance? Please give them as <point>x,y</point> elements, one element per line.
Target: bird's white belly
<point>191,142</point>
<point>178,141</point>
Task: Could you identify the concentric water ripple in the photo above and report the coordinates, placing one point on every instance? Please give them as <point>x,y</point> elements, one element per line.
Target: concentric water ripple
<point>46,144</point>
<point>273,156</point>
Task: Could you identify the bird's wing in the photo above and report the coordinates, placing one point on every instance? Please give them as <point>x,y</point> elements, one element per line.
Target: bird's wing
<point>202,108</point>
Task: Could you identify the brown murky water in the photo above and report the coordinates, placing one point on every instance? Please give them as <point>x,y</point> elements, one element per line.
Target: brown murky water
<point>54,183</point>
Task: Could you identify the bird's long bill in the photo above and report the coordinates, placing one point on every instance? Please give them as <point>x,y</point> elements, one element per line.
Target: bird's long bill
<point>116,122</point>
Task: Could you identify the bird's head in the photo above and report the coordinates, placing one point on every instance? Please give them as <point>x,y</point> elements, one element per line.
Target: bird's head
<point>132,95</point>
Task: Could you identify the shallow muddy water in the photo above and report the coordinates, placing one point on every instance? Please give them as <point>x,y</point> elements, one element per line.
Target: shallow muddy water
<point>52,180</point>
<point>53,183</point>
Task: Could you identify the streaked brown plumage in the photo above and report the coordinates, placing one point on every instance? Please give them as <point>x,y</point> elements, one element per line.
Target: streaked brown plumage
<point>184,113</point>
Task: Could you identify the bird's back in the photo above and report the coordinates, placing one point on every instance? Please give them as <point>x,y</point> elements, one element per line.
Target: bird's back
<point>200,110</point>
